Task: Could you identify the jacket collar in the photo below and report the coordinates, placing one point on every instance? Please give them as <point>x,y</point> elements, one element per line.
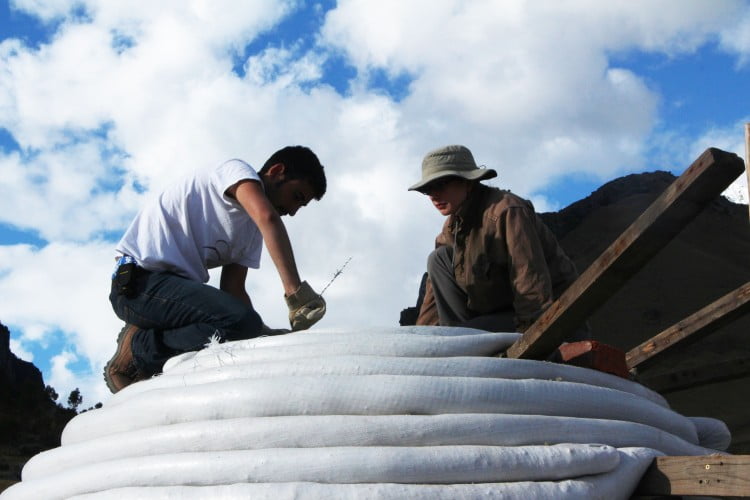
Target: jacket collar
<point>470,212</point>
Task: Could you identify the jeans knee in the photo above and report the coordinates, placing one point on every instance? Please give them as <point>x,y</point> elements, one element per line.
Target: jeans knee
<point>432,261</point>
<point>247,324</point>
<point>439,258</point>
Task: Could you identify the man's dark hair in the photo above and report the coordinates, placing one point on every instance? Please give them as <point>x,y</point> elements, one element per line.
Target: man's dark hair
<point>300,163</point>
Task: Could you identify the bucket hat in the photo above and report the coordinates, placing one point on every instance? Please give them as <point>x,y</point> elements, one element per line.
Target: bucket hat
<point>450,161</point>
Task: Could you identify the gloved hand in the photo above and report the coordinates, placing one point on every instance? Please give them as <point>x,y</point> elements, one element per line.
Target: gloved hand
<point>306,307</point>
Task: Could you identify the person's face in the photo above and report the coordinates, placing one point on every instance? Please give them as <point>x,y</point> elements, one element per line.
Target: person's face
<point>447,194</point>
<point>287,195</point>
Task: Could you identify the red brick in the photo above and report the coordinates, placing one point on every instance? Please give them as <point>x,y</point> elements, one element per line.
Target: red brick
<point>594,355</point>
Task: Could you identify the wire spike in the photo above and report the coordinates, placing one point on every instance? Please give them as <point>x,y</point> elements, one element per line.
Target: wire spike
<point>335,275</point>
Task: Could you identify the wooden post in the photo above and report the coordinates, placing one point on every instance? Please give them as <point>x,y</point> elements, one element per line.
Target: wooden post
<point>710,475</point>
<point>684,199</point>
<point>730,307</point>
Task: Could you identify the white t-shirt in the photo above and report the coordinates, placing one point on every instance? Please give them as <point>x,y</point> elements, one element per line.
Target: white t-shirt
<point>194,226</point>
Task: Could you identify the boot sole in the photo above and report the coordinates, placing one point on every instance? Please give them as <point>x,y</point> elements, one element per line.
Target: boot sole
<point>107,379</point>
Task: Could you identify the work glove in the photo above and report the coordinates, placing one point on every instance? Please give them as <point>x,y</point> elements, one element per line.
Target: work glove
<point>306,307</point>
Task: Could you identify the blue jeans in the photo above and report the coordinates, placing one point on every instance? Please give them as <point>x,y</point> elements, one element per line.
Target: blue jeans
<point>176,315</point>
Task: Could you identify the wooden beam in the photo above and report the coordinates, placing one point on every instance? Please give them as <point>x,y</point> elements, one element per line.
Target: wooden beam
<point>730,307</point>
<point>693,377</point>
<point>710,475</point>
<point>684,199</point>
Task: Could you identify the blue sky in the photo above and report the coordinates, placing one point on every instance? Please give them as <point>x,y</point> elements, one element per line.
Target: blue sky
<point>103,103</point>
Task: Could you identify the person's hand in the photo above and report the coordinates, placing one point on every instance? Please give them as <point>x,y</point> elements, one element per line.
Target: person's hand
<point>306,307</point>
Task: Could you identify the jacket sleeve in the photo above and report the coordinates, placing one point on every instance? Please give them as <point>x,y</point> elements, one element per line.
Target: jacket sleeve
<point>527,268</point>
<point>428,313</point>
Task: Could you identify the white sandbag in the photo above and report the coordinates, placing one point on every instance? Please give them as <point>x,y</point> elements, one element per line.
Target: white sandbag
<point>446,331</point>
<point>423,464</point>
<point>358,414</point>
<point>618,484</point>
<point>621,482</point>
<point>284,347</point>
<point>176,360</point>
<point>712,433</point>
<point>485,367</point>
<point>355,430</point>
<point>412,330</point>
<point>373,395</point>
<point>335,334</point>
<point>563,490</point>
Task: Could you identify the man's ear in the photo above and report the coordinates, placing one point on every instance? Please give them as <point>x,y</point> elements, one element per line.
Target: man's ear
<point>276,171</point>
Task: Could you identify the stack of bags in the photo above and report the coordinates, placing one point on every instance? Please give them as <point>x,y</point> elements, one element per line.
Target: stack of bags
<point>409,412</point>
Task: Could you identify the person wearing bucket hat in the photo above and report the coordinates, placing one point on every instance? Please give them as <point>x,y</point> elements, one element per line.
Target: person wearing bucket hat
<point>451,161</point>
<point>495,266</point>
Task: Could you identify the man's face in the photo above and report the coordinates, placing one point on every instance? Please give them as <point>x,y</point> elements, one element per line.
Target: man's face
<point>447,194</point>
<point>289,195</point>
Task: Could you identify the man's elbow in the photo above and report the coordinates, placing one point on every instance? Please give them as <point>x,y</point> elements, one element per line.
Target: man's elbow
<point>268,218</point>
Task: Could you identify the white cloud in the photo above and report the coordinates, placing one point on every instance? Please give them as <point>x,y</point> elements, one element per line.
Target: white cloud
<point>283,66</point>
<point>737,191</point>
<point>18,349</point>
<point>144,92</point>
<point>736,38</point>
<point>520,80</point>
<point>62,192</point>
<point>732,139</point>
<point>44,9</point>
<point>62,378</point>
<point>155,99</point>
<point>61,287</point>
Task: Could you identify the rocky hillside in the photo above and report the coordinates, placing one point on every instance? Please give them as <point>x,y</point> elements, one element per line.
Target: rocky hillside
<point>15,372</point>
<point>30,420</point>
<point>708,259</point>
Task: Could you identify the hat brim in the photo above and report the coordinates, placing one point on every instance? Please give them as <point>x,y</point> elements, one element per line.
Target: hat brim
<point>479,174</point>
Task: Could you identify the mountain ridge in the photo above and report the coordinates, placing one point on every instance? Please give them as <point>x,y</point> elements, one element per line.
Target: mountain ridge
<point>30,419</point>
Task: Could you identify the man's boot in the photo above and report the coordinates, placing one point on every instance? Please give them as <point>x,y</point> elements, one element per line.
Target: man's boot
<point>121,371</point>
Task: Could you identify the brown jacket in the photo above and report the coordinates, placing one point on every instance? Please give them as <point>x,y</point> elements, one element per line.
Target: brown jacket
<point>504,257</point>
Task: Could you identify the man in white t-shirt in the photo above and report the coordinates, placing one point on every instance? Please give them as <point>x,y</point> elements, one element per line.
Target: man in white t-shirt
<point>215,218</point>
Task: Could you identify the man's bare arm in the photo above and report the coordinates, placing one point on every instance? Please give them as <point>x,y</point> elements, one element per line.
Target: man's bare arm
<point>233,282</point>
<point>250,195</point>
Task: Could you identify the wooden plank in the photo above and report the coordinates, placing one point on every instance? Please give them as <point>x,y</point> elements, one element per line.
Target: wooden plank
<point>703,181</point>
<point>709,475</point>
<point>723,311</point>
<point>713,373</point>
